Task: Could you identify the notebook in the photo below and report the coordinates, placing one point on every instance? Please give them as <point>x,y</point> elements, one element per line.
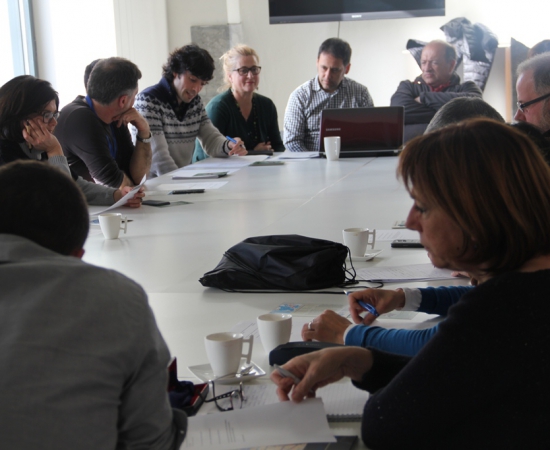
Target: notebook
<point>343,402</point>
<point>364,131</point>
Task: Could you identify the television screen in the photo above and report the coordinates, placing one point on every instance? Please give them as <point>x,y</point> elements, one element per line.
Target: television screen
<point>300,11</point>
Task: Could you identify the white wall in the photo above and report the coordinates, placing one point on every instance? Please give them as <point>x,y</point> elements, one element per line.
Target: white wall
<point>71,33</point>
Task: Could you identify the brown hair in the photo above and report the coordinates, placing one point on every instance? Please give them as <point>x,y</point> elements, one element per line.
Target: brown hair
<point>229,60</point>
<point>492,182</point>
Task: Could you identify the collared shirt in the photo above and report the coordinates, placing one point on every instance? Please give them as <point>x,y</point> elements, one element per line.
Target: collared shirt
<point>303,112</point>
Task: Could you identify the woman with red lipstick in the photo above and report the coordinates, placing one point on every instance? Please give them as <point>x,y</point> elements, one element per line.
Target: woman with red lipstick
<point>239,111</point>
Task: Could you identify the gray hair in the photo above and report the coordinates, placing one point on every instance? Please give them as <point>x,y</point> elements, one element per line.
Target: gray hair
<point>540,66</point>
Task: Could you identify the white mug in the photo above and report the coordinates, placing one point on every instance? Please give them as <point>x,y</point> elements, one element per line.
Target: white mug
<point>111,224</point>
<point>274,330</point>
<point>357,239</point>
<point>332,147</point>
<point>224,351</point>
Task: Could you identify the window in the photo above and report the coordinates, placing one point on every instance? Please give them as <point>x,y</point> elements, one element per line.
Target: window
<point>16,29</point>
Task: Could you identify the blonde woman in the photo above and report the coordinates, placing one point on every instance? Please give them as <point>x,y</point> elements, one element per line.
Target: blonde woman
<point>239,111</point>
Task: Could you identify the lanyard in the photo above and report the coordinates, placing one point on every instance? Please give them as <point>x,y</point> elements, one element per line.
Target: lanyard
<point>111,141</point>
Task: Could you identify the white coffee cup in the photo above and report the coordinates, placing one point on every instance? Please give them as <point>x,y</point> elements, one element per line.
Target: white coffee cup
<point>224,351</point>
<point>111,224</point>
<point>274,330</point>
<point>357,239</point>
<point>332,147</point>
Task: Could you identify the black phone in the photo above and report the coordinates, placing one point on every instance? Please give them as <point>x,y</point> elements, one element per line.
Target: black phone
<point>186,191</point>
<point>155,203</point>
<point>406,243</point>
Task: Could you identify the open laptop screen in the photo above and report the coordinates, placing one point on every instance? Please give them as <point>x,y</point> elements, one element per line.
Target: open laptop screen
<point>364,131</point>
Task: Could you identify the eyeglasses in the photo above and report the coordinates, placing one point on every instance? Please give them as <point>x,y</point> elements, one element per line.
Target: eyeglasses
<point>243,71</point>
<point>522,106</point>
<point>230,400</point>
<point>47,116</point>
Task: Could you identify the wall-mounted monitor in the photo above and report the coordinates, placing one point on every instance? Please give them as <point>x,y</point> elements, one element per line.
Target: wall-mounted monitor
<point>302,11</point>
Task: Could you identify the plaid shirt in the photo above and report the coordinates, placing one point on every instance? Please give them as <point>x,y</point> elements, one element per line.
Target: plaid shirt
<point>303,112</point>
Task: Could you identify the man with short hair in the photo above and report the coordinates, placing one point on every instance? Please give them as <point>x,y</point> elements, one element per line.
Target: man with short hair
<point>330,89</point>
<point>533,92</point>
<point>93,130</point>
<point>175,112</point>
<point>82,362</point>
<point>437,85</point>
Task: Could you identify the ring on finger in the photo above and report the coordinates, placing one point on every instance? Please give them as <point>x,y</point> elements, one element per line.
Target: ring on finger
<point>309,326</point>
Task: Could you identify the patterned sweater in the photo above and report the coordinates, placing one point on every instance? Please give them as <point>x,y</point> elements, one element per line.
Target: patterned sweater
<point>174,128</point>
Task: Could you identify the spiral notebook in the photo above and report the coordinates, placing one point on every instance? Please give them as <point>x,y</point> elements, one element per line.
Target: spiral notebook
<point>343,402</point>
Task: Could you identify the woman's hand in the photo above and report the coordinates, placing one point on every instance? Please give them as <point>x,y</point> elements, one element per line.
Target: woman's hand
<point>38,135</point>
<point>317,369</point>
<point>263,146</point>
<point>384,300</point>
<point>328,327</point>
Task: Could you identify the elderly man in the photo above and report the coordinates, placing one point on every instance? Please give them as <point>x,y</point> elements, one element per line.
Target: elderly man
<point>93,130</point>
<point>82,362</point>
<point>437,85</point>
<point>329,89</point>
<point>533,92</point>
<point>175,112</point>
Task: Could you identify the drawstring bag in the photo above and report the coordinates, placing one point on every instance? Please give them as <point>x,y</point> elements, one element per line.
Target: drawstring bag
<point>284,263</point>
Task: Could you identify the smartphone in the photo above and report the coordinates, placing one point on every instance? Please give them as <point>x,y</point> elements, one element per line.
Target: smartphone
<point>186,191</point>
<point>154,203</point>
<point>406,243</point>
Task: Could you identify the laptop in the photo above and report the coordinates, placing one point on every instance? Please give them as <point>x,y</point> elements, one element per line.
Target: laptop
<point>364,131</point>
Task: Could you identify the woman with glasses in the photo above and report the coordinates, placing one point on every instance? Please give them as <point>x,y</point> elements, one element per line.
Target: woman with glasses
<point>481,193</point>
<point>239,110</point>
<point>28,115</point>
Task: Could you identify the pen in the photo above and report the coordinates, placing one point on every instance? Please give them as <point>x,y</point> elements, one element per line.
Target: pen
<point>366,306</point>
<point>230,139</point>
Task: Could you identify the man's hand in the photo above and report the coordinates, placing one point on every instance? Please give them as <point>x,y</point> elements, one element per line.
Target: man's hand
<point>384,300</point>
<point>37,134</point>
<point>136,119</point>
<point>328,327</point>
<point>237,148</point>
<point>135,201</point>
<point>317,369</point>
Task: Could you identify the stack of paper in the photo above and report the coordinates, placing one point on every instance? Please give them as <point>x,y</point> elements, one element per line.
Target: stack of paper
<point>400,274</point>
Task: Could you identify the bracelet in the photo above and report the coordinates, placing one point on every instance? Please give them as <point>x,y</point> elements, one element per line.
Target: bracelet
<point>146,140</point>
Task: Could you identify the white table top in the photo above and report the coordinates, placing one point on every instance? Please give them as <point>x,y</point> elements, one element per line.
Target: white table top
<point>168,249</point>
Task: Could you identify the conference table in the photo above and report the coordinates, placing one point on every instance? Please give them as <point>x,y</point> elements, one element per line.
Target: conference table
<point>167,249</point>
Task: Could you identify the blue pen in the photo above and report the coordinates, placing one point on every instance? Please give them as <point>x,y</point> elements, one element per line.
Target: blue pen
<point>230,139</point>
<point>366,306</point>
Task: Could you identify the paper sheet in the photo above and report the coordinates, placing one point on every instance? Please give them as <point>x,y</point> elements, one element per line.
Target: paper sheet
<point>277,423</point>
<point>192,185</point>
<point>391,235</point>
<point>396,274</point>
<point>233,162</point>
<point>191,171</point>
<point>297,155</point>
<point>124,199</point>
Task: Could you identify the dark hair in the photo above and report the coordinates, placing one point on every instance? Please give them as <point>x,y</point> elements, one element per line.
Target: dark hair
<point>540,65</point>
<point>336,47</point>
<point>492,182</point>
<point>20,98</point>
<point>540,47</point>
<point>189,58</point>
<point>112,78</point>
<point>41,203</point>
<point>462,108</point>
<point>88,71</point>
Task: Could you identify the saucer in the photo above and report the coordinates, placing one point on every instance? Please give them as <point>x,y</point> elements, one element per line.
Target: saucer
<point>368,256</point>
<point>204,372</point>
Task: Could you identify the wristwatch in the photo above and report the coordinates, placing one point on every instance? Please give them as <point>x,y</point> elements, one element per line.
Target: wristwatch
<point>146,140</point>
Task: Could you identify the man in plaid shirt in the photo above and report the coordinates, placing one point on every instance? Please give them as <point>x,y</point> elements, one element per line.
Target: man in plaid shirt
<point>330,89</point>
